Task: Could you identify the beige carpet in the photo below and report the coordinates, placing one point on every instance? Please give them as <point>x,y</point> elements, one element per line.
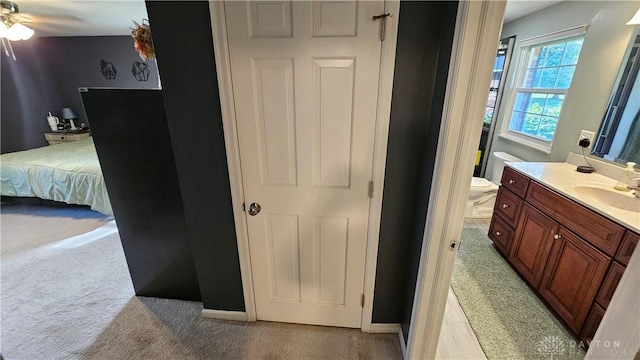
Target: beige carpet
<point>508,319</point>
<point>66,294</point>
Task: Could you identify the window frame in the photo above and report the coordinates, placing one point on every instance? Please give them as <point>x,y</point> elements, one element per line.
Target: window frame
<point>524,48</point>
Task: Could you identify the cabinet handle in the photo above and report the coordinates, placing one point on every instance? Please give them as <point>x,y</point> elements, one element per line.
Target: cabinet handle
<point>504,206</point>
<point>556,236</point>
<point>498,233</point>
<point>511,181</point>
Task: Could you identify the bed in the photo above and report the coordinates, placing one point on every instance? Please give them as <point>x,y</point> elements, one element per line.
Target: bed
<point>68,172</point>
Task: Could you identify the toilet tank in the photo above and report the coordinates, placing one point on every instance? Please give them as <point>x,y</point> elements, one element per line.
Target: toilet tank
<point>499,158</point>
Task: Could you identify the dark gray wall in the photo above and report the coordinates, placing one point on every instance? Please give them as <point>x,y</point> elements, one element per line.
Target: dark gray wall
<point>448,19</point>
<point>190,89</point>
<point>194,118</point>
<point>140,174</point>
<point>46,77</point>
<point>424,45</point>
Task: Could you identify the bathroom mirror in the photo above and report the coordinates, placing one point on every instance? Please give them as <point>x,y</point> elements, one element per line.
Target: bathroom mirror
<point>619,134</point>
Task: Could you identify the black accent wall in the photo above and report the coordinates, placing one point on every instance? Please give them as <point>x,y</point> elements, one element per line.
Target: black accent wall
<point>425,37</point>
<point>46,77</point>
<point>187,64</point>
<point>193,114</point>
<point>140,174</point>
<point>190,88</point>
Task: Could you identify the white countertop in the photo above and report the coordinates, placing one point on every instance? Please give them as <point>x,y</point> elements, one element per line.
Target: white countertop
<point>563,177</point>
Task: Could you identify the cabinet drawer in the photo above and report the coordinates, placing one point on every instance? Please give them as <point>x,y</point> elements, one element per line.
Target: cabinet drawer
<point>77,137</point>
<point>596,229</point>
<point>515,181</point>
<point>627,246</point>
<point>609,284</point>
<point>501,234</point>
<point>56,137</point>
<point>591,324</point>
<point>508,206</point>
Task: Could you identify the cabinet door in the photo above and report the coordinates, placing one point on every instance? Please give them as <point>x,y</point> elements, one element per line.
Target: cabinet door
<point>610,284</point>
<point>532,244</point>
<point>572,277</point>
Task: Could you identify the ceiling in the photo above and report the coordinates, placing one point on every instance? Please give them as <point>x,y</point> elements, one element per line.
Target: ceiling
<point>82,17</point>
<point>519,8</point>
<point>103,18</point>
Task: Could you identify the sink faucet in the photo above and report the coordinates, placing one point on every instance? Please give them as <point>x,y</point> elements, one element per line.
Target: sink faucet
<point>635,188</point>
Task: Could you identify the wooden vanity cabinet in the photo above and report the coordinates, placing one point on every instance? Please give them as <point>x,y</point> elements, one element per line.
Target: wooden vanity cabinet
<point>610,284</point>
<point>628,245</point>
<point>591,324</point>
<point>573,256</point>
<point>514,181</point>
<point>589,225</point>
<point>508,205</point>
<point>532,244</point>
<point>502,235</point>
<point>507,209</point>
<point>572,277</point>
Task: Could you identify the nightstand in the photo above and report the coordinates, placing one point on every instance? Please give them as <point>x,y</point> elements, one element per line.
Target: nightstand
<point>61,137</point>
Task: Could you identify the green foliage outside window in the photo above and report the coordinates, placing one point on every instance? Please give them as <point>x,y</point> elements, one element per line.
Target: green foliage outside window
<point>548,73</point>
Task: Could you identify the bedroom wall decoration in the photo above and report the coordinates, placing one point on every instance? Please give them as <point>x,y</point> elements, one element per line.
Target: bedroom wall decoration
<point>142,40</point>
<point>140,71</point>
<point>108,70</point>
<point>47,76</point>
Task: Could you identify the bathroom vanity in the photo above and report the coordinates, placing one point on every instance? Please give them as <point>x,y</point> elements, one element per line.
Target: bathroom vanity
<point>568,234</point>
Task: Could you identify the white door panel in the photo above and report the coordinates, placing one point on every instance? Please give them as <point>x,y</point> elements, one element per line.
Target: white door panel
<point>305,80</point>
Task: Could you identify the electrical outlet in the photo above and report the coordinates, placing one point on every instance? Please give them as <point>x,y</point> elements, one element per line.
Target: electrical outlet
<point>584,134</point>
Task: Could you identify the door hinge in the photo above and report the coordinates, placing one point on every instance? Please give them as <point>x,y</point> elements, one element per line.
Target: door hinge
<point>362,300</point>
<point>370,189</point>
<point>383,25</point>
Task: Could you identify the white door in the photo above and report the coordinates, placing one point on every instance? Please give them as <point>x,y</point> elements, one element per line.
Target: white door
<point>305,84</point>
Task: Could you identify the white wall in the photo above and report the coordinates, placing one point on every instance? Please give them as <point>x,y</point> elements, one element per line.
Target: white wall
<point>602,53</point>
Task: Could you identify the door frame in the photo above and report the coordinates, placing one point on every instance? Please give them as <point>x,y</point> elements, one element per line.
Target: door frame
<point>225,87</point>
<point>476,35</point>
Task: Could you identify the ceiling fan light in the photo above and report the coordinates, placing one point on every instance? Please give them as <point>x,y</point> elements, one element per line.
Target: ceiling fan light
<point>25,32</point>
<point>19,32</point>
<point>13,33</point>
<point>3,30</point>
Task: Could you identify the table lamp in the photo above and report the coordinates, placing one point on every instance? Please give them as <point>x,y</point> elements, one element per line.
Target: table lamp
<point>68,114</point>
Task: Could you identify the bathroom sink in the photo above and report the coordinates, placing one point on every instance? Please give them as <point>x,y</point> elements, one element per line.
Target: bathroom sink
<point>611,197</point>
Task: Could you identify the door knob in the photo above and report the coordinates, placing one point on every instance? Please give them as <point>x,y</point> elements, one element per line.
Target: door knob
<point>254,209</point>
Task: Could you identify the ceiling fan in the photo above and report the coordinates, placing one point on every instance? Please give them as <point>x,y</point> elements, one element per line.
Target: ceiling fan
<point>12,26</point>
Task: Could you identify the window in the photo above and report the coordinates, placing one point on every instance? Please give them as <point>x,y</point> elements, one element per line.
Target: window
<point>547,65</point>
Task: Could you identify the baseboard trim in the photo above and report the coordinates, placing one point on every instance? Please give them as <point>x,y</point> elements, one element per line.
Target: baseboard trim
<point>383,328</point>
<point>224,315</point>
<point>403,345</point>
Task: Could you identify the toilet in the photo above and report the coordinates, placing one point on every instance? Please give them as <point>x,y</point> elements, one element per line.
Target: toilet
<point>483,192</point>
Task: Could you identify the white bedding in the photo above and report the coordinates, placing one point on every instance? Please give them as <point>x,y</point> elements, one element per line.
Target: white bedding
<point>67,172</point>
